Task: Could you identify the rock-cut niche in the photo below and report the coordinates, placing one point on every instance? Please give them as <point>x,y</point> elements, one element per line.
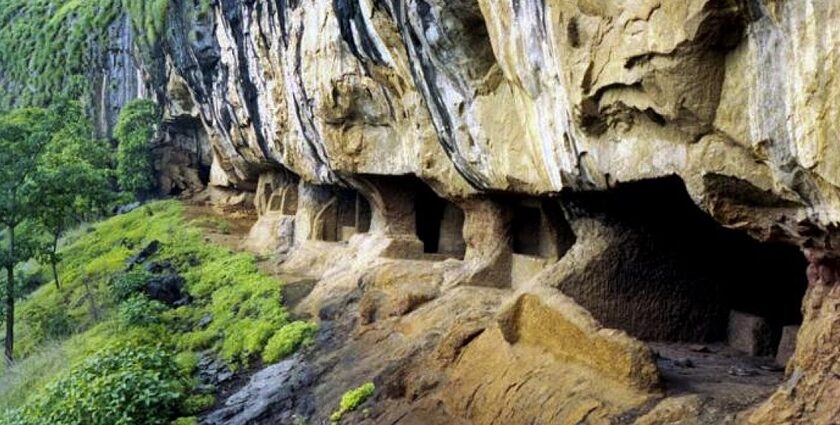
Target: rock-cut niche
<point>666,271</point>
<point>345,214</point>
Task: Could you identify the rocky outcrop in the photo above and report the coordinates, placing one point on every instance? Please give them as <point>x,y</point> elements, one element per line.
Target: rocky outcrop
<point>117,76</point>
<point>526,97</point>
<point>453,138</point>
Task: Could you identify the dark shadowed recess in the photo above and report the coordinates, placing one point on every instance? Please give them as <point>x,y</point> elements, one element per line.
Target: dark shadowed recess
<point>672,273</point>
<point>439,223</point>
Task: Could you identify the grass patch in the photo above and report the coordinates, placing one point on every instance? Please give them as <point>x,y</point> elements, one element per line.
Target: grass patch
<point>101,305</point>
<point>353,399</point>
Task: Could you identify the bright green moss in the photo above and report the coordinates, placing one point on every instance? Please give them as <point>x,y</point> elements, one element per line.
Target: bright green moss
<point>353,399</point>
<point>287,340</point>
<point>189,420</point>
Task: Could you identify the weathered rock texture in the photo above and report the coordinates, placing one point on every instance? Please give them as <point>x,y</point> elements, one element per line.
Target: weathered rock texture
<point>338,117</point>
<point>524,96</point>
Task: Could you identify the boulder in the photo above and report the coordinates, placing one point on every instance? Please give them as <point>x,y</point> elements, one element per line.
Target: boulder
<point>167,289</point>
<point>147,252</point>
<point>750,334</point>
<point>787,344</point>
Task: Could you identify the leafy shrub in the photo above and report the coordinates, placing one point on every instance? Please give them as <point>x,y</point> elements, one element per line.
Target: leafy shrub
<point>134,131</point>
<point>139,310</point>
<point>353,399</point>
<point>125,285</point>
<point>189,420</point>
<point>187,361</point>
<point>198,403</point>
<point>48,323</point>
<point>123,384</point>
<point>287,340</point>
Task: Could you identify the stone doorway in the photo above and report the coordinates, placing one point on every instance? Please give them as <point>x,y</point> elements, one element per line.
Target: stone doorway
<point>439,223</point>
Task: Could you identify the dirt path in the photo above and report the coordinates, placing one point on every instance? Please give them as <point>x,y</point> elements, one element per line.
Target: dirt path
<point>228,229</point>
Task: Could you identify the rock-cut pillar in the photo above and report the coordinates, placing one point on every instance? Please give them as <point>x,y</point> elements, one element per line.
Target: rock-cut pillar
<point>812,389</point>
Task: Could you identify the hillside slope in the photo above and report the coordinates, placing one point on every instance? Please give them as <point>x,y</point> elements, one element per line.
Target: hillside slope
<point>146,298</point>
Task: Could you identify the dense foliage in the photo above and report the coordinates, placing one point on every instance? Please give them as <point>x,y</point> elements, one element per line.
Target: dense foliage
<point>134,132</point>
<point>51,174</point>
<point>236,312</point>
<point>123,384</point>
<point>46,46</point>
<point>72,179</point>
<point>49,47</point>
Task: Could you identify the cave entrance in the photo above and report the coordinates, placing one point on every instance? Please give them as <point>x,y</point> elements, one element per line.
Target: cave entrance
<point>538,229</point>
<point>670,272</point>
<point>539,235</point>
<point>718,307</point>
<point>347,213</point>
<point>439,223</point>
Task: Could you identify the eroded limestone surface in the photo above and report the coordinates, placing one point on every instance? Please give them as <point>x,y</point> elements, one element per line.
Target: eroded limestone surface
<point>421,158</point>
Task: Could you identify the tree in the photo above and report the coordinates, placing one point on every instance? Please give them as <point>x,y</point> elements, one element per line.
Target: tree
<point>71,178</point>
<point>23,135</point>
<point>134,131</point>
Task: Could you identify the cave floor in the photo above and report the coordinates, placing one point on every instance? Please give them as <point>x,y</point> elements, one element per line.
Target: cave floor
<point>732,379</point>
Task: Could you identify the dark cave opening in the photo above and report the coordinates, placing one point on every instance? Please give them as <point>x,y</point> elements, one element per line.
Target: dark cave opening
<point>672,273</point>
<point>526,230</point>
<point>538,229</point>
<point>267,193</point>
<point>439,223</point>
<point>204,173</point>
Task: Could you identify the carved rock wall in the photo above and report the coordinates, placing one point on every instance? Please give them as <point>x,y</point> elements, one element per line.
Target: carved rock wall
<point>492,101</point>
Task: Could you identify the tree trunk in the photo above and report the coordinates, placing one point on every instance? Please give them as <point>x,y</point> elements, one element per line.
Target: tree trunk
<point>53,262</point>
<point>10,316</point>
<point>10,302</point>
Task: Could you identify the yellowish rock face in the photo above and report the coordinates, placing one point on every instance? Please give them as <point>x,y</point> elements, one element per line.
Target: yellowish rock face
<point>495,99</point>
<point>533,97</point>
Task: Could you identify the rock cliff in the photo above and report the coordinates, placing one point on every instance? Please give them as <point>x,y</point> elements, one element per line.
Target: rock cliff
<point>513,184</point>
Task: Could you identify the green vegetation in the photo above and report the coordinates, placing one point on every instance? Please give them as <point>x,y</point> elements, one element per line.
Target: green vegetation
<point>353,399</point>
<point>134,132</point>
<point>23,135</point>
<point>51,175</point>
<point>122,384</point>
<point>48,47</point>
<point>287,340</point>
<point>71,180</point>
<point>139,310</point>
<point>148,17</point>
<point>104,314</point>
